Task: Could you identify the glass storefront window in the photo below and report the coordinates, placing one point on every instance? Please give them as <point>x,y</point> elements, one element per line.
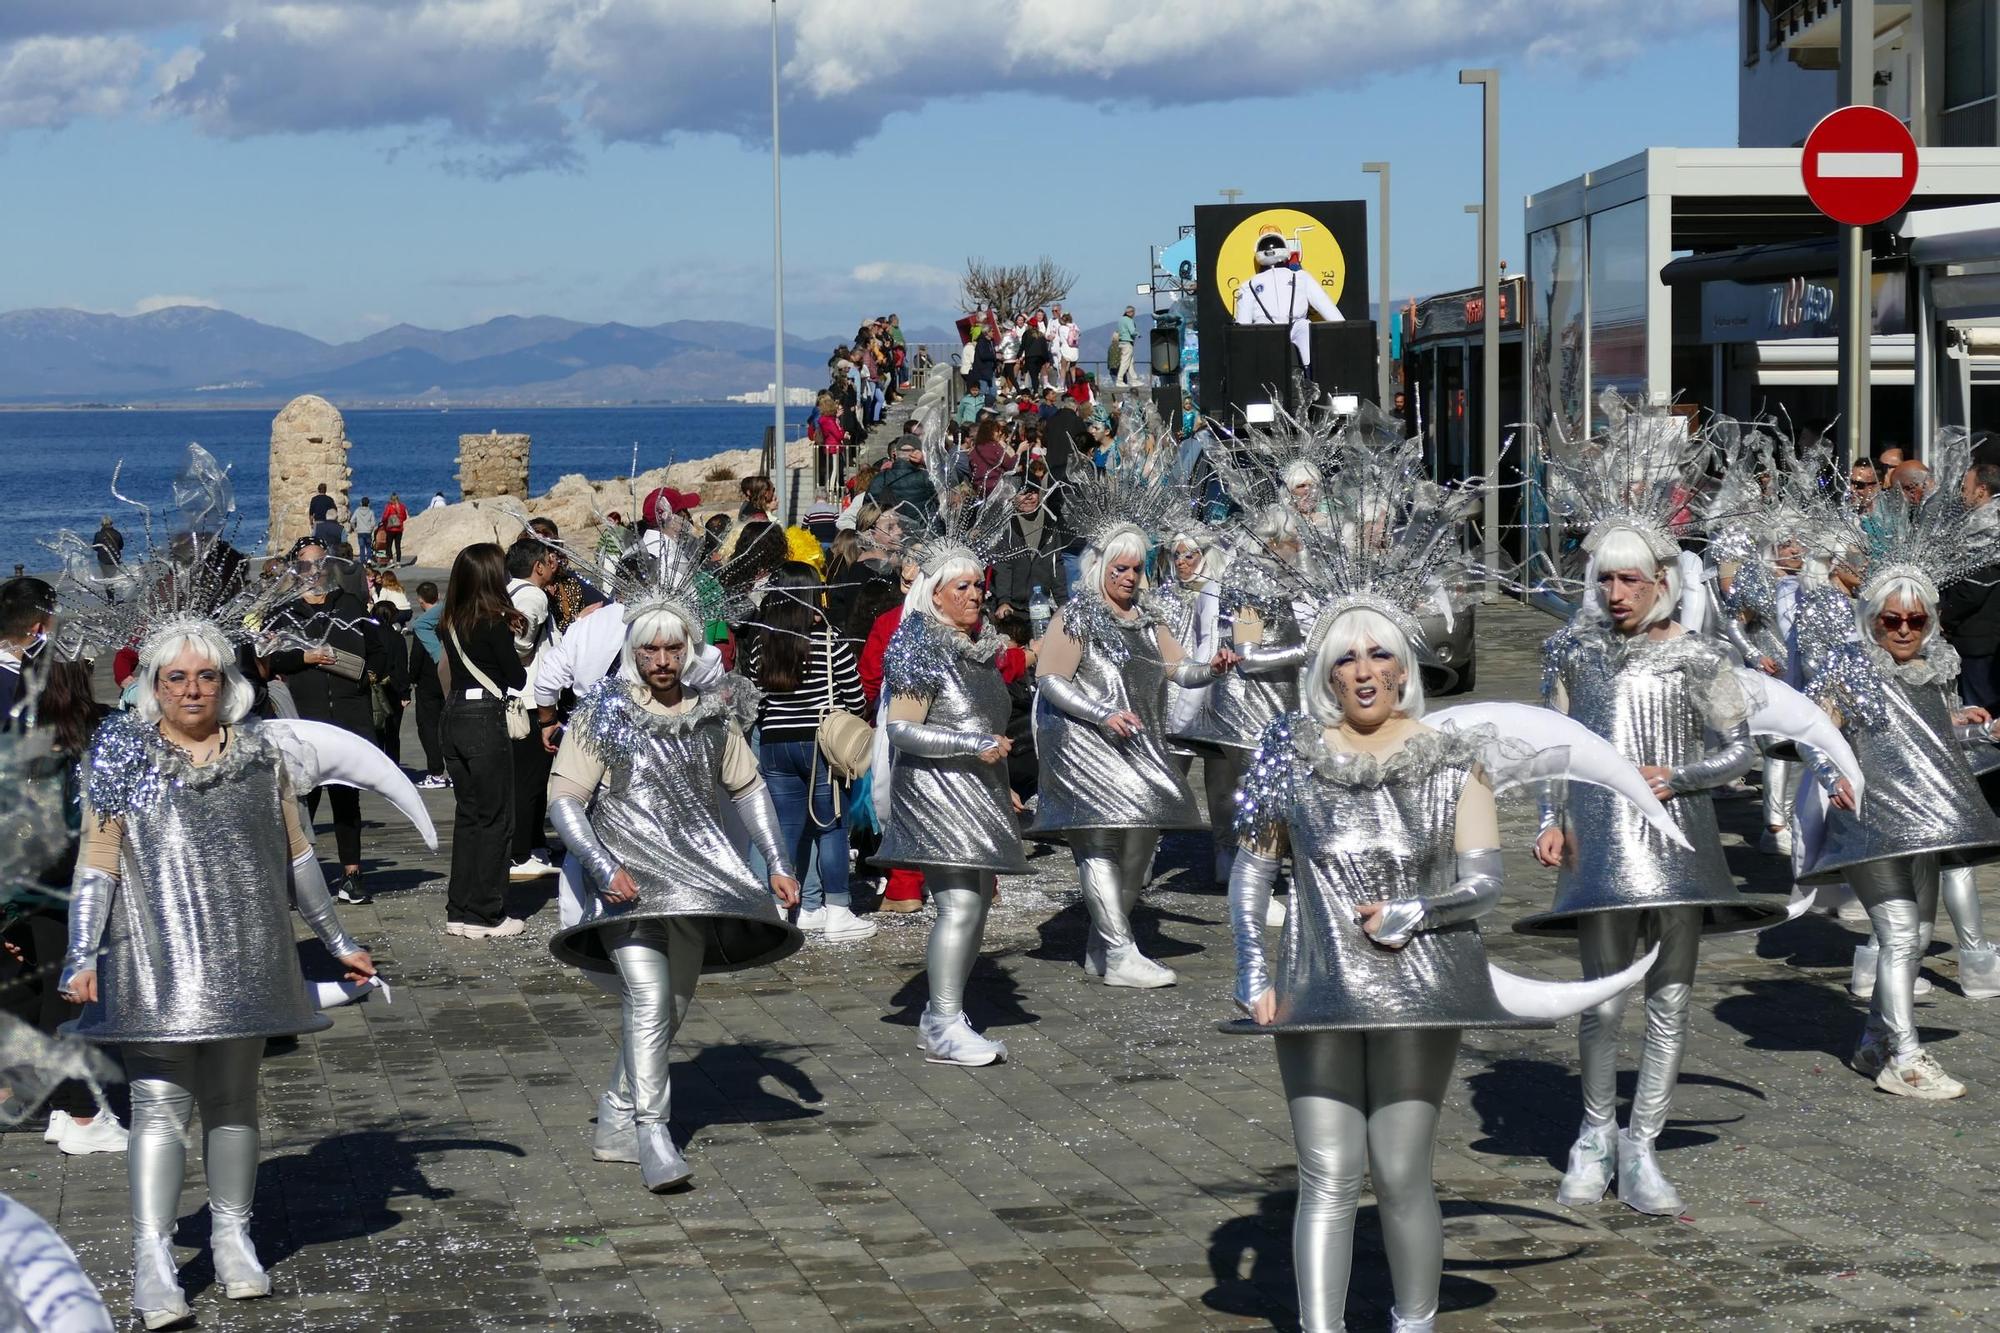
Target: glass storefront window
<point>1618,300</point>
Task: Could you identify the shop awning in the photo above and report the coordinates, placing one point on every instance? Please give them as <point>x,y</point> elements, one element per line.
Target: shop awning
<point>1756,263</point>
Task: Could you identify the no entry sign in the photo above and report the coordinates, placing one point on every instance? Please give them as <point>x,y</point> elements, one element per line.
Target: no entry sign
<point>1860,165</point>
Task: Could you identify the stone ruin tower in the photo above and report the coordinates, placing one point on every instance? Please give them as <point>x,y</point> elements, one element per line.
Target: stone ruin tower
<point>492,465</point>
<point>308,446</point>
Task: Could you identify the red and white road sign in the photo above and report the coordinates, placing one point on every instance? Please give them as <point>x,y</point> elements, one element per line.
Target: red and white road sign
<point>1860,165</point>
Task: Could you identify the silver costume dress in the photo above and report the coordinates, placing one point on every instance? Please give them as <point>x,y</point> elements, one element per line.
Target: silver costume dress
<point>1244,702</point>
<point>1091,779</point>
<point>659,815</point>
<point>1366,1034</point>
<point>950,812</point>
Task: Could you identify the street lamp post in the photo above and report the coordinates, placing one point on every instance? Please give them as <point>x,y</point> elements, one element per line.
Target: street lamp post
<point>1383,377</point>
<point>781,447</point>
<point>1489,281</point>
<point>1478,212</point>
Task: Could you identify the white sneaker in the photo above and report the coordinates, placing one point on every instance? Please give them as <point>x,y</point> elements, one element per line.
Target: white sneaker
<point>1776,842</point>
<point>1129,967</point>
<point>532,868</point>
<point>58,1121</point>
<point>433,782</point>
<point>951,1041</point>
<point>508,926</point>
<point>812,920</point>
<point>102,1134</point>
<point>1274,914</point>
<point>843,927</point>
<point>1921,1077</point>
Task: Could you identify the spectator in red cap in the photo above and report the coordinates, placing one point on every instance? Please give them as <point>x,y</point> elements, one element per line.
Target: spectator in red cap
<point>665,511</point>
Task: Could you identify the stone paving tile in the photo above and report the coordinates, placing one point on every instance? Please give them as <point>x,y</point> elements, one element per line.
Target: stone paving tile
<point>427,1163</point>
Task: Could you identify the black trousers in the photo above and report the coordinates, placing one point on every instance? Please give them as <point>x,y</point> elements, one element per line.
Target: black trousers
<point>346,803</point>
<point>531,794</point>
<point>482,827</point>
<point>430,714</point>
<point>390,544</point>
<point>389,734</point>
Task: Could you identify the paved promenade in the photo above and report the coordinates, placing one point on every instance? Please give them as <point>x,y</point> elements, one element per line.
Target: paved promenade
<point>427,1163</point>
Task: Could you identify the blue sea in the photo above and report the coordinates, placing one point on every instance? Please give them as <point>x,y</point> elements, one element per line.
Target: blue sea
<point>59,464</point>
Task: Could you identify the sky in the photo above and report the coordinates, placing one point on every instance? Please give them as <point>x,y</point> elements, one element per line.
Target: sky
<point>337,166</point>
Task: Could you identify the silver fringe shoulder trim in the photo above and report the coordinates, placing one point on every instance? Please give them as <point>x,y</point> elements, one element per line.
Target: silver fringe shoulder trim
<point>1848,680</point>
<point>1588,641</point>
<point>919,658</point>
<point>1295,743</point>
<point>608,722</point>
<point>131,766</point>
<point>1938,666</point>
<point>1088,618</point>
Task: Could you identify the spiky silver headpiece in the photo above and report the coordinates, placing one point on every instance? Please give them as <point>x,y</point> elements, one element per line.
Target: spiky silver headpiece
<point>1940,540</point>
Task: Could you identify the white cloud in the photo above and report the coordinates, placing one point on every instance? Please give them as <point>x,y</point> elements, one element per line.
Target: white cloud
<point>499,86</point>
<point>146,305</point>
<point>47,82</point>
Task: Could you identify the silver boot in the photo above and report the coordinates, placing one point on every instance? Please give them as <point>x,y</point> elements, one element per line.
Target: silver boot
<point>661,1165</point>
<point>1398,1324</point>
<point>1641,1186</point>
<point>1861,983</point>
<point>1589,1173</point>
<point>237,1269</point>
<point>1979,972</point>
<point>617,1137</point>
<point>157,1297</point>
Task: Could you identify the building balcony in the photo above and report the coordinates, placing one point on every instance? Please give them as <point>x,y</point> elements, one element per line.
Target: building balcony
<point>1810,29</point>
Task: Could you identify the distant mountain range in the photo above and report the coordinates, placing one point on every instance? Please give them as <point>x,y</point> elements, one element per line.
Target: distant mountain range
<point>188,355</point>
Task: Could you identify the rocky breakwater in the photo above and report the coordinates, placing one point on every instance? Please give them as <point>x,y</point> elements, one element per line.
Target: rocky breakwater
<point>576,504</point>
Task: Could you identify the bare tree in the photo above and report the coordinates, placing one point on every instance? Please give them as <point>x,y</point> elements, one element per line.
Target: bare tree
<point>1013,290</point>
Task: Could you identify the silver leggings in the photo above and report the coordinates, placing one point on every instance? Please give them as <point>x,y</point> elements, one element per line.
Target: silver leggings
<point>1781,778</point>
<point>1961,899</point>
<point>168,1080</point>
<point>1893,892</point>
<point>660,962</point>
<point>1366,1099</point>
<point>962,898</point>
<point>620,1088</point>
<point>1609,941</point>
<point>1111,864</point>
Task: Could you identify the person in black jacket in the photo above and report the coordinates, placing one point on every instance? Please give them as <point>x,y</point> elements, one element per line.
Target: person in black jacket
<point>985,364</point>
<point>1063,435</point>
<point>426,690</point>
<point>1969,610</point>
<point>477,628</point>
<point>395,686</point>
<point>1030,560</point>
<point>329,683</point>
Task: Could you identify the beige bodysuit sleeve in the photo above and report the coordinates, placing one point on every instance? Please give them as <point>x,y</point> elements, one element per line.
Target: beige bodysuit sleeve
<point>1249,625</point>
<point>576,772</point>
<point>1478,826</point>
<point>908,708</point>
<point>1060,655</point>
<point>740,773</point>
<point>101,841</point>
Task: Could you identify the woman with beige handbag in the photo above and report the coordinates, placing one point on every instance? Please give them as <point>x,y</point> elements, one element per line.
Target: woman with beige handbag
<point>811,743</point>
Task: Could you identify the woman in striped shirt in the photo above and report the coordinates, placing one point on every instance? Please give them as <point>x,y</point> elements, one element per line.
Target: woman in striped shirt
<point>805,670</point>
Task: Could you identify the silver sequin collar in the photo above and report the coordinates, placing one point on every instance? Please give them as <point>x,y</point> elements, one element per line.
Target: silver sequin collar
<point>1938,666</point>
<point>610,716</point>
<point>1422,754</point>
<point>131,765</point>
<point>1091,621</point>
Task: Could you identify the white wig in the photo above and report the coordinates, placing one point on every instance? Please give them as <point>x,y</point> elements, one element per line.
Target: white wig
<point>654,624</point>
<point>1910,589</point>
<point>1124,542</point>
<point>1352,631</point>
<point>1301,472</point>
<point>1622,549</point>
<point>1214,559</point>
<point>208,644</point>
<point>922,595</point>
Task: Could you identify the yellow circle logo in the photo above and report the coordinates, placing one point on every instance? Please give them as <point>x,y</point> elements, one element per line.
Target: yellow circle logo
<point>1311,240</point>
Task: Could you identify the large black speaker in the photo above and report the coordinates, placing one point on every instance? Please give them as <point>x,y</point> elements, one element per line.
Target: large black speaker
<point>1257,367</point>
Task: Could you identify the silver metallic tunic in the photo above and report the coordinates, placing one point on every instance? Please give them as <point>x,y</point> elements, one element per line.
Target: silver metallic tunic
<point>953,812</point>
<point>199,944</point>
<point>1089,777</point>
<point>1241,705</point>
<point>1655,701</point>
<point>659,812</point>
<point>1921,794</point>
<point>1368,830</point>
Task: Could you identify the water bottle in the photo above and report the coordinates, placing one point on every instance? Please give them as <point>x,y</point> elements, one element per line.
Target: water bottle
<point>1040,611</point>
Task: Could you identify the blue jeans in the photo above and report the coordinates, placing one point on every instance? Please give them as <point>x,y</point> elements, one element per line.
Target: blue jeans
<point>811,822</point>
<point>364,546</point>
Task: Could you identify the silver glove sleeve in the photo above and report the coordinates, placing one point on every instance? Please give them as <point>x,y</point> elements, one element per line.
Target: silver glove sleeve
<point>572,824</point>
<point>1551,812</point>
<point>1825,772</point>
<point>1191,671</point>
<point>1262,658</point>
<point>90,894</point>
<point>926,741</point>
<point>1250,881</point>
<point>1725,763</point>
<point>1073,699</point>
<point>760,818</point>
<point>1472,895</point>
<point>1971,733</point>
<point>1736,634</point>
<point>315,904</point>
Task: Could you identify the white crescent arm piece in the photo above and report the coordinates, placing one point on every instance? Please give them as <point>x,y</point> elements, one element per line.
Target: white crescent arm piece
<point>1527,997</point>
<point>1693,612</point>
<point>1574,750</point>
<point>318,753</point>
<point>333,994</point>
<point>1776,709</point>
<point>573,894</point>
<point>43,1289</point>
<point>1808,824</point>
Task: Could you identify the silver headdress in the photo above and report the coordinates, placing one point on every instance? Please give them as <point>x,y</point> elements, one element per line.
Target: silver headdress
<point>1643,472</point>
<point>1135,490</point>
<point>190,579</point>
<point>662,570</point>
<point>968,526</point>
<point>1258,469</point>
<point>1941,539</point>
